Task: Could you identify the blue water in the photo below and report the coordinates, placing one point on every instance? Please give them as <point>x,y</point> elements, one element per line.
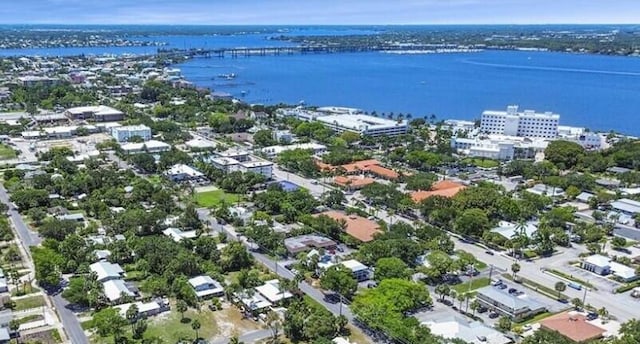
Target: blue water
<point>598,92</point>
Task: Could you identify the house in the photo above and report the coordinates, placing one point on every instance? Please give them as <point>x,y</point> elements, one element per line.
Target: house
<point>585,197</point>
<point>126,133</point>
<point>5,318</point>
<point>545,190</point>
<point>116,288</point>
<point>178,235</point>
<point>515,307</point>
<point>573,326</point>
<point>444,188</point>
<point>145,309</point>
<point>608,183</point>
<point>359,271</point>
<point>509,230</point>
<point>106,271</point>
<point>253,302</point>
<point>304,243</point>
<point>353,182</point>
<point>356,226</point>
<point>102,255</point>
<point>626,206</point>
<point>205,287</point>
<point>77,217</point>
<point>271,291</point>
<point>470,332</point>
<point>181,173</point>
<point>603,265</point>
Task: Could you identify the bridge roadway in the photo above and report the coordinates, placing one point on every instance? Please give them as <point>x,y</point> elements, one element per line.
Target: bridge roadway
<point>264,51</point>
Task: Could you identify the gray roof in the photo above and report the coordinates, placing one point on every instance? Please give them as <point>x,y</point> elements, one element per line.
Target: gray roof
<point>585,196</point>
<point>469,332</point>
<point>5,317</point>
<point>618,169</point>
<point>511,301</point>
<point>626,205</point>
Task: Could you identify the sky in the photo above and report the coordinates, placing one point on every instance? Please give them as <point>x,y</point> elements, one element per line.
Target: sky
<point>300,12</point>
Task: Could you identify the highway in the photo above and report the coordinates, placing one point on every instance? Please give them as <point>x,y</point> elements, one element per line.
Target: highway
<point>28,238</point>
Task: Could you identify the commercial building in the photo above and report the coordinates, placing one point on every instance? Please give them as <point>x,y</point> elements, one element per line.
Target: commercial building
<point>99,113</point>
<point>573,326</point>
<point>515,307</point>
<point>525,124</point>
<point>509,230</point>
<point>125,133</point>
<point>357,227</point>
<point>205,287</point>
<point>364,125</point>
<point>273,151</point>
<point>546,190</point>
<point>603,266</point>
<point>444,188</point>
<point>151,146</point>
<point>498,147</point>
<point>32,81</point>
<point>227,165</point>
<point>239,155</point>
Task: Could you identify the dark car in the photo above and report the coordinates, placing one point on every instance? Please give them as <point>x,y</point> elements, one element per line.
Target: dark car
<point>489,252</point>
<point>482,309</point>
<point>493,315</point>
<point>592,316</point>
<point>512,290</point>
<point>502,286</point>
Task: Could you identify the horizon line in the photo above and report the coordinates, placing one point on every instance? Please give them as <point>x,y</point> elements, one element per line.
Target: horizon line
<point>324,24</point>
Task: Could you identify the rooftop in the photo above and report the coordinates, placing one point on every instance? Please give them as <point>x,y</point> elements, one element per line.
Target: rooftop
<point>271,291</point>
<point>353,181</point>
<point>354,265</point>
<point>626,205</point>
<point>470,332</point>
<point>106,270</point>
<point>356,226</point>
<point>114,289</point>
<point>360,122</point>
<point>305,242</point>
<point>444,188</point>
<point>573,326</point>
<point>509,229</point>
<point>511,301</point>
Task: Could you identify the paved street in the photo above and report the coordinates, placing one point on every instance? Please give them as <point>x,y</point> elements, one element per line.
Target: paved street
<point>250,337</point>
<point>69,321</point>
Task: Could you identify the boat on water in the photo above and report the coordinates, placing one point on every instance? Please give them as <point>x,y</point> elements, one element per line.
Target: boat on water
<point>229,76</point>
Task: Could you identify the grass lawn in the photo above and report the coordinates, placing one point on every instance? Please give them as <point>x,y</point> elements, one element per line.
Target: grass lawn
<point>482,162</point>
<point>30,318</point>
<point>212,198</point>
<point>24,290</point>
<point>7,152</point>
<point>28,303</point>
<point>171,329</point>
<point>471,285</point>
<point>480,265</point>
<point>536,318</point>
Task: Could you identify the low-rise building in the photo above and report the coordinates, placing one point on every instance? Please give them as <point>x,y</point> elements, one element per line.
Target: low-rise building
<point>145,309</point>
<point>364,124</point>
<point>183,173</point>
<point>115,289</point>
<point>272,292</point>
<point>106,271</point>
<point>626,206</point>
<point>356,226</point>
<point>99,113</point>
<point>178,235</point>
<point>151,146</point>
<point>573,326</point>
<point>515,307</point>
<point>273,151</point>
<point>264,168</point>
<point>603,266</point>
<point>510,230</point>
<point>444,188</point>
<point>206,287</point>
<point>546,190</point>
<point>306,242</point>
<point>126,133</point>
<point>239,155</point>
<point>470,332</point>
<point>360,271</point>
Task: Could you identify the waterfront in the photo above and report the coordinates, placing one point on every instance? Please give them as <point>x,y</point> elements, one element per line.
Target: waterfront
<point>595,91</point>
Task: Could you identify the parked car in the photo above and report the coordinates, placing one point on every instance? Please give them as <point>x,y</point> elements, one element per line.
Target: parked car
<point>526,327</point>
<point>494,315</point>
<point>512,290</point>
<point>502,286</point>
<point>482,309</point>
<point>592,316</point>
<point>489,252</point>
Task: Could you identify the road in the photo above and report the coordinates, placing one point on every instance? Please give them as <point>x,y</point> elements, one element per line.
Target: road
<point>251,337</point>
<point>280,270</point>
<point>28,238</point>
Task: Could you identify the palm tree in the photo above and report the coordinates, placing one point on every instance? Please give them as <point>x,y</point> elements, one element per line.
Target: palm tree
<point>560,287</point>
<point>181,307</point>
<point>132,315</point>
<point>515,268</point>
<point>461,297</point>
<point>195,325</point>
<point>475,304</point>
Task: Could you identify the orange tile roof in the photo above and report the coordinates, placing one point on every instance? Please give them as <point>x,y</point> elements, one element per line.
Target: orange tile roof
<point>572,326</point>
<point>383,172</point>
<point>444,188</point>
<point>357,226</point>
<point>353,181</point>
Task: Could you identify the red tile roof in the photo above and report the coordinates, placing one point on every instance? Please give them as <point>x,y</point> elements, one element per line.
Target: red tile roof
<point>573,326</point>
<point>357,226</point>
<point>445,188</point>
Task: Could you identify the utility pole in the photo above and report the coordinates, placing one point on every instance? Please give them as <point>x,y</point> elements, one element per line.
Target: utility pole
<point>490,272</point>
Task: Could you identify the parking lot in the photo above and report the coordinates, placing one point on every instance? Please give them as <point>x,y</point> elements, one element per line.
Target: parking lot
<point>600,282</point>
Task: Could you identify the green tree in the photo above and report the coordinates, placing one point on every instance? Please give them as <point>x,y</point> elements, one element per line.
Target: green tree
<point>515,268</point>
<point>108,322</point>
<point>195,325</point>
<point>504,324</point>
<point>132,315</point>
<point>339,279</point>
<point>391,267</point>
<point>560,287</point>
<point>564,154</point>
<point>472,222</point>
<point>264,138</point>
<point>443,290</point>
<point>618,242</point>
<point>181,307</point>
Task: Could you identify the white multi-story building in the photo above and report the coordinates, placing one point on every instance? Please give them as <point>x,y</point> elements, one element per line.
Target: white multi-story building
<point>364,124</point>
<point>499,147</point>
<point>524,124</point>
<point>124,134</point>
<point>228,165</point>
